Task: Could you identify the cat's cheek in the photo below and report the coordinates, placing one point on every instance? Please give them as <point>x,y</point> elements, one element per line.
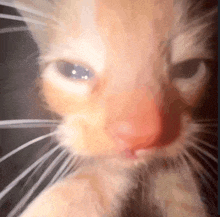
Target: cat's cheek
<point>81,138</point>
<point>60,101</point>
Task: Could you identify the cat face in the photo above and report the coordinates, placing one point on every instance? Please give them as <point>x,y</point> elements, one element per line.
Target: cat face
<point>124,77</point>
<point>112,71</point>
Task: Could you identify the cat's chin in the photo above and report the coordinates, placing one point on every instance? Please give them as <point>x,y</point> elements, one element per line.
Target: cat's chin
<point>128,159</point>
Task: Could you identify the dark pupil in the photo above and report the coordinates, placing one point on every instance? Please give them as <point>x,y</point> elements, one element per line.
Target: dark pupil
<point>186,69</point>
<point>74,71</point>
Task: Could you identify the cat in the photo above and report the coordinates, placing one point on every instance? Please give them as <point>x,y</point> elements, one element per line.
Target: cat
<point>125,79</point>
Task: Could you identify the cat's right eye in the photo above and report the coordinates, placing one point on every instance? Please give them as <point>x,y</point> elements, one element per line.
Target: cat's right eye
<point>74,71</point>
<point>72,78</point>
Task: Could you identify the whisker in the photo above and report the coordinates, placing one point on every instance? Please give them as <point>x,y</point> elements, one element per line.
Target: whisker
<point>20,6</point>
<point>61,170</point>
<point>13,29</point>
<point>184,161</point>
<point>33,55</point>
<point>194,162</point>
<point>196,170</point>
<point>37,168</point>
<point>204,143</point>
<point>35,171</point>
<point>210,125</point>
<point>26,145</point>
<point>203,151</point>
<point>66,171</point>
<point>68,168</point>
<point>213,190</point>
<point>202,20</point>
<point>209,132</point>
<point>198,163</point>
<point>27,9</point>
<point>181,156</point>
<point>76,162</point>
<point>206,120</point>
<point>27,123</point>
<point>213,169</point>
<point>23,174</point>
<point>37,184</point>
<point>29,58</point>
<point>23,19</point>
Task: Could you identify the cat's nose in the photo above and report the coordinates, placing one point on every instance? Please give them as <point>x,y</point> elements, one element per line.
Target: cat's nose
<point>141,130</point>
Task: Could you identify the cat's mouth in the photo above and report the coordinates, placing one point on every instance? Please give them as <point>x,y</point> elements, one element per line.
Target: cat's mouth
<point>135,155</point>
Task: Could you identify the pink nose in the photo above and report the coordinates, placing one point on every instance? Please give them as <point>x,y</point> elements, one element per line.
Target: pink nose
<point>141,130</point>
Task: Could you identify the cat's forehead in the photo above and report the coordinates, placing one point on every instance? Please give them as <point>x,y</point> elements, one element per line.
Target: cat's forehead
<point>135,27</point>
<point>127,29</point>
<point>116,15</point>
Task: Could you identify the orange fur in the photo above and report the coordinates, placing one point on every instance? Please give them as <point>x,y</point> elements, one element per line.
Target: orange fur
<point>130,108</point>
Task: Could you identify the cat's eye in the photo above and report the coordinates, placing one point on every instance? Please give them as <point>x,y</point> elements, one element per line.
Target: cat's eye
<point>185,70</point>
<point>189,77</point>
<point>74,71</point>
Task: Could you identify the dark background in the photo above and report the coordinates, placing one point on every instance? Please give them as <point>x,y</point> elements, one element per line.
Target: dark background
<point>19,100</point>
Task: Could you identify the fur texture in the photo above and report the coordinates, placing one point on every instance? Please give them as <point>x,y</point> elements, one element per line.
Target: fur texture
<point>132,122</point>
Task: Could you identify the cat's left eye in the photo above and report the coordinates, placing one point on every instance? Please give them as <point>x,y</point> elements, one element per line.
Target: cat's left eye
<point>189,77</point>
<point>74,71</point>
<point>186,69</point>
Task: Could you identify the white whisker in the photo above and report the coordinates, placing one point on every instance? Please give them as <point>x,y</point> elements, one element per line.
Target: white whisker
<point>210,186</point>
<point>66,171</point>
<point>37,168</point>
<point>26,145</point>
<point>35,171</point>
<point>61,170</point>
<point>27,123</point>
<point>201,176</point>
<point>13,29</point>
<point>18,18</point>
<point>206,120</point>
<point>76,161</point>
<point>204,143</point>
<point>208,132</point>
<point>203,151</point>
<point>23,174</point>
<point>27,9</point>
<point>193,168</point>
<point>37,184</point>
<point>203,20</point>
<point>34,55</point>
<point>185,162</point>
<point>196,162</point>
<point>210,125</point>
<point>213,169</point>
<point>73,165</point>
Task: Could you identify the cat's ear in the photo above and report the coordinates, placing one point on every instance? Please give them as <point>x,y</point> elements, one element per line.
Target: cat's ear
<point>36,14</point>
